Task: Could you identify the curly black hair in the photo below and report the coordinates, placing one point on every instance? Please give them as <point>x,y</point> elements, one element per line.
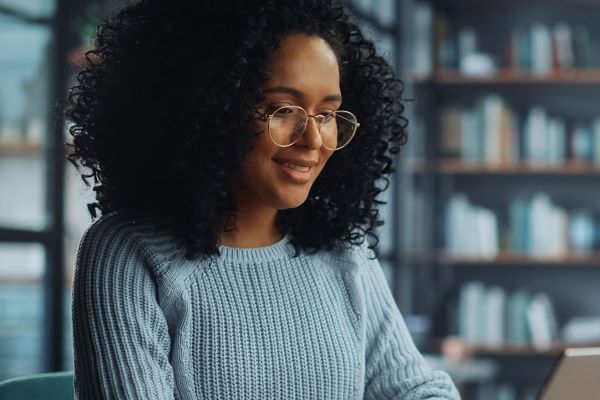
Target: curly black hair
<point>161,114</point>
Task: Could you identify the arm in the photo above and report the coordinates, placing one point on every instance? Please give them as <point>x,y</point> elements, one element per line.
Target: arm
<point>120,335</point>
<point>394,367</point>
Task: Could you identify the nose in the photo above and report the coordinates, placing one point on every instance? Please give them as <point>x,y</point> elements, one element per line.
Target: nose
<point>311,137</point>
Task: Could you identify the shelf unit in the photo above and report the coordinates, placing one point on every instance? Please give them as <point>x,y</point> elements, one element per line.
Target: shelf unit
<point>505,258</point>
<point>20,148</point>
<point>514,77</point>
<point>457,167</point>
<point>428,178</point>
<point>525,351</point>
<point>26,148</point>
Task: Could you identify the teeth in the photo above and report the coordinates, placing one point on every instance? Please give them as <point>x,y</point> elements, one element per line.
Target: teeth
<point>295,167</point>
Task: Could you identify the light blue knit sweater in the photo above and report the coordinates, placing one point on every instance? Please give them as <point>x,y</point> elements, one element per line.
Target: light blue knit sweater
<point>250,324</point>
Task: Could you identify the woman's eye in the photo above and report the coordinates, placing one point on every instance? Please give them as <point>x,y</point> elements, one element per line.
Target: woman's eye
<point>285,110</point>
<point>326,115</point>
<point>279,108</point>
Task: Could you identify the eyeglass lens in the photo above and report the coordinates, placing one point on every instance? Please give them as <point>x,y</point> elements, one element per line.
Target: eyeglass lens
<point>287,124</point>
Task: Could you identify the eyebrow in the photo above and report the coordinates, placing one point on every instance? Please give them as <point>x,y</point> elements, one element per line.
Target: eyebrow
<point>299,93</point>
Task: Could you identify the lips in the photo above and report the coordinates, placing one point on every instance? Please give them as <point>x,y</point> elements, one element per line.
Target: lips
<point>296,170</point>
<point>295,163</point>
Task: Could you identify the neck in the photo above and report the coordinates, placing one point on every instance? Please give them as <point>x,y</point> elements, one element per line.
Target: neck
<point>254,227</point>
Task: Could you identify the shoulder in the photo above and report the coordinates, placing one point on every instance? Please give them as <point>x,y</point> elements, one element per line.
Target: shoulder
<point>112,230</point>
<point>355,259</point>
<point>120,236</point>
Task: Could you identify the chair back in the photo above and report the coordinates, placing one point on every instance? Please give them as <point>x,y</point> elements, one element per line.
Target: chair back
<point>49,386</point>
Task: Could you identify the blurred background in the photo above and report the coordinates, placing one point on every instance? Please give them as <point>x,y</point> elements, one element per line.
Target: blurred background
<point>491,244</point>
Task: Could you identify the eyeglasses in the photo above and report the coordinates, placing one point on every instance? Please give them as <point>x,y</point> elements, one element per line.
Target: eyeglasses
<point>287,125</point>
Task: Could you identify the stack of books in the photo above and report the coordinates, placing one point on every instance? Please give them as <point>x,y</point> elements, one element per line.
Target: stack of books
<point>491,132</point>
<point>536,227</point>
<point>489,316</point>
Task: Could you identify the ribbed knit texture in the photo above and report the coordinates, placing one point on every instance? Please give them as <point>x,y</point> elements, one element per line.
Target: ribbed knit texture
<point>250,324</point>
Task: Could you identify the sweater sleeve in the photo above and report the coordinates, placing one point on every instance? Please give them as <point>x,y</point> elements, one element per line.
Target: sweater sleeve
<point>394,367</point>
<point>120,335</point>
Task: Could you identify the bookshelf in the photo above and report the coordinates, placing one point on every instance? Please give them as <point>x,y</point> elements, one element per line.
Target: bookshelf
<point>20,148</point>
<point>526,351</point>
<point>513,259</point>
<point>503,259</point>
<point>457,167</point>
<point>26,148</point>
<point>514,77</point>
<point>516,350</point>
<point>504,120</point>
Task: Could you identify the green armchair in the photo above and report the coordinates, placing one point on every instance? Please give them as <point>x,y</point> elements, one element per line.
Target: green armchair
<point>49,386</point>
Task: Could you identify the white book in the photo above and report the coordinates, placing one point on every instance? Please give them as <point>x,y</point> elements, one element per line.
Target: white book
<point>542,322</point>
<point>535,135</point>
<point>582,143</point>
<point>563,41</point>
<point>517,323</point>
<point>471,299</point>
<point>495,316</point>
<point>457,212</point>
<point>540,231</point>
<point>556,136</point>
<point>423,51</point>
<point>472,138</point>
<point>558,229</point>
<point>486,233</point>
<point>492,130</point>
<point>467,42</point>
<point>541,49</point>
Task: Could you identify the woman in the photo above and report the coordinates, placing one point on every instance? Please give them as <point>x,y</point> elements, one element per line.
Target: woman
<point>236,193</point>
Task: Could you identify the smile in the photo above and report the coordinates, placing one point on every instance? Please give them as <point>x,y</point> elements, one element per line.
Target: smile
<point>296,167</point>
<point>297,171</point>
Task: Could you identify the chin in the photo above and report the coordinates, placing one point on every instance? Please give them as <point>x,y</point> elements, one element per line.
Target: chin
<point>292,201</point>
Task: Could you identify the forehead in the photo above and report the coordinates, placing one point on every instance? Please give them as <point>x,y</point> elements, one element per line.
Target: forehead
<point>305,62</point>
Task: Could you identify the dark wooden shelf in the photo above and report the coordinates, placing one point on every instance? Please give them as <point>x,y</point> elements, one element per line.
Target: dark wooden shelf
<point>25,148</point>
<point>515,77</point>
<point>458,167</point>
<point>504,258</point>
<point>504,3</point>
<point>468,350</point>
<point>507,258</point>
<point>20,148</point>
<point>524,350</point>
<point>32,280</point>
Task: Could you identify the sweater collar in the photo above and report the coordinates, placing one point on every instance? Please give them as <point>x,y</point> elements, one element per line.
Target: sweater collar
<point>276,250</point>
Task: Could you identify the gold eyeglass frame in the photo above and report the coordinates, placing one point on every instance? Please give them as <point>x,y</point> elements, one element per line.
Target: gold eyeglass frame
<point>316,117</point>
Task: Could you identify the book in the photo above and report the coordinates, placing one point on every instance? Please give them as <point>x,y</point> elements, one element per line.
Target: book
<point>596,140</point>
<point>423,52</point>
<point>563,43</point>
<point>471,312</point>
<point>582,143</point>
<point>492,109</point>
<point>451,132</point>
<point>535,135</point>
<point>519,225</point>
<point>495,304</point>
<point>542,321</point>
<point>541,49</point>
<point>517,329</point>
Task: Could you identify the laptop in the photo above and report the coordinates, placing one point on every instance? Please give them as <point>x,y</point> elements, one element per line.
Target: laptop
<point>575,376</point>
